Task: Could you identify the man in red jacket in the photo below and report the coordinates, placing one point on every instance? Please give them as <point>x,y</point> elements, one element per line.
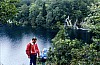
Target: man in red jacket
<point>32,51</point>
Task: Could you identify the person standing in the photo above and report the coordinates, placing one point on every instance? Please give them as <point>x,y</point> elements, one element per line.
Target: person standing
<point>43,56</point>
<point>32,51</point>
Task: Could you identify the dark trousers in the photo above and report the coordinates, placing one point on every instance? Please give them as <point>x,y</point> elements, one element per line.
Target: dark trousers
<point>33,59</point>
<point>43,61</point>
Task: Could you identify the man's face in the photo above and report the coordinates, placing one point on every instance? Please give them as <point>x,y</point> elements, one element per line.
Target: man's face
<point>34,41</point>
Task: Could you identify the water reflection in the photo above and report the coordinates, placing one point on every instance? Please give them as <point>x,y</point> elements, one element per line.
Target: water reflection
<point>13,43</point>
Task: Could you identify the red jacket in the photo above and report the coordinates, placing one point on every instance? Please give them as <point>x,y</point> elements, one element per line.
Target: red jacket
<point>32,49</point>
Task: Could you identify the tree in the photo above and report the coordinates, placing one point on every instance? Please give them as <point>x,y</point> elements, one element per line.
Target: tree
<point>40,21</point>
<point>7,10</point>
<point>85,56</point>
<point>33,13</point>
<point>74,52</point>
<point>61,55</point>
<point>39,2</point>
<point>92,22</point>
<point>23,14</point>
<point>57,12</point>
<point>44,12</point>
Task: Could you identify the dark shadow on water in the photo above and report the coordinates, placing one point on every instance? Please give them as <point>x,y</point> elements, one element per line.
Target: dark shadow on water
<point>17,32</point>
<point>80,34</point>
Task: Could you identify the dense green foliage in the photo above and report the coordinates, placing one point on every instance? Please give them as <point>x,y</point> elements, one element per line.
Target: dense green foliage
<point>47,13</point>
<point>76,52</point>
<point>93,23</point>
<point>7,9</point>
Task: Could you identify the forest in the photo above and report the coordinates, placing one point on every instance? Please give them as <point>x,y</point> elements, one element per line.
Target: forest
<point>69,17</point>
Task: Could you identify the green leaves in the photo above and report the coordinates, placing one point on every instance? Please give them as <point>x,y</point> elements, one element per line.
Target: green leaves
<point>93,23</point>
<point>75,52</point>
<point>7,9</point>
<point>85,55</point>
<point>23,15</point>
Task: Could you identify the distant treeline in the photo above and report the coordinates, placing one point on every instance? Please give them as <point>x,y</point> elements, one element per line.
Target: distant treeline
<point>46,13</point>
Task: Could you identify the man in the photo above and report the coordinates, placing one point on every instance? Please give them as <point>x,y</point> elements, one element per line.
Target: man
<point>32,51</point>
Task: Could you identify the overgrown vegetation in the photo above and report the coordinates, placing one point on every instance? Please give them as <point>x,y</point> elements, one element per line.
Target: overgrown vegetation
<point>7,10</point>
<point>44,13</point>
<point>68,51</point>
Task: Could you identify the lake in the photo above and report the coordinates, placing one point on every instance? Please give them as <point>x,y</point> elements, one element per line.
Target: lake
<point>13,41</point>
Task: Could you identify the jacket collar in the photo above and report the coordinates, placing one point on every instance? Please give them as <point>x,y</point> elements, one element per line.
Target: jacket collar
<point>32,43</point>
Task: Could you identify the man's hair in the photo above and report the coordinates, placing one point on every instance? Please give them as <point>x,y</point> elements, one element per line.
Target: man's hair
<point>34,38</point>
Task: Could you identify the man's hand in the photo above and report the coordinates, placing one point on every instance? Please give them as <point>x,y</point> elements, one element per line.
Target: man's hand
<point>38,56</point>
<point>28,56</point>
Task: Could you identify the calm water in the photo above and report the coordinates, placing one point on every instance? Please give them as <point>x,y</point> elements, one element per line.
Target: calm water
<point>13,43</point>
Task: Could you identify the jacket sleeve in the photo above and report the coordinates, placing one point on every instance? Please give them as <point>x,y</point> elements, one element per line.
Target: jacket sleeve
<point>28,50</point>
<point>37,50</point>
